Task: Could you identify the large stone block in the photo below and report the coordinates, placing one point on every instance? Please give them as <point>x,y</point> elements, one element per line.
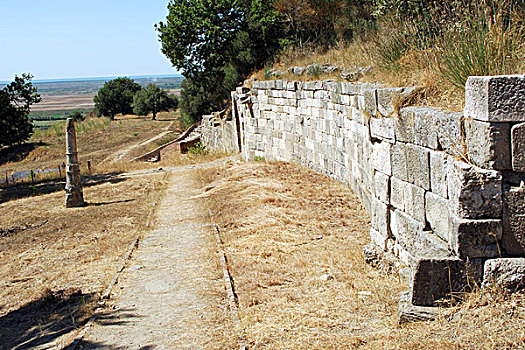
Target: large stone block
<point>380,217</point>
<point>438,173</point>
<point>518,147</point>
<point>409,312</point>
<point>381,158</point>
<point>406,230</point>
<point>382,187</point>
<point>508,273</point>
<point>350,88</point>
<point>436,279</point>
<point>411,163</point>
<point>382,128</point>
<point>488,144</point>
<point>404,125</point>
<point>436,209</point>
<point>513,241</point>
<point>475,238</point>
<point>496,98</point>
<point>449,132</point>
<point>369,101</point>
<point>425,127</point>
<point>474,192</point>
<point>390,99</point>
<point>408,198</point>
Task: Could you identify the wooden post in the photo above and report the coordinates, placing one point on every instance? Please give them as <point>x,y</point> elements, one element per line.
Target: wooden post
<point>6,178</point>
<point>59,172</point>
<point>89,166</point>
<point>74,194</point>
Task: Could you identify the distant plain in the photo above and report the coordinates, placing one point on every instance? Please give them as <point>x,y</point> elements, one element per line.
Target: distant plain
<point>61,97</point>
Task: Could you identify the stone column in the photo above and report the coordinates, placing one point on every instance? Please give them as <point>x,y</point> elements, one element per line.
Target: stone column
<point>74,195</point>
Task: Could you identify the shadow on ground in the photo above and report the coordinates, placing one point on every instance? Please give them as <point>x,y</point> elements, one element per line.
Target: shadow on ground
<point>111,318</point>
<point>18,152</point>
<point>45,320</point>
<point>91,345</point>
<point>23,190</point>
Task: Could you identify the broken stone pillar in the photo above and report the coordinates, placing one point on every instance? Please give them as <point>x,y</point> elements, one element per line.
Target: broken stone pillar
<point>74,195</point>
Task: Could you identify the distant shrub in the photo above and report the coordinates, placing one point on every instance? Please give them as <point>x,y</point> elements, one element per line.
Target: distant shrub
<point>198,149</point>
<point>77,116</point>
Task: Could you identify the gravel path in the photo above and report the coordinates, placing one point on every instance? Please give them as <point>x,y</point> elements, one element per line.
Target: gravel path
<point>171,295</point>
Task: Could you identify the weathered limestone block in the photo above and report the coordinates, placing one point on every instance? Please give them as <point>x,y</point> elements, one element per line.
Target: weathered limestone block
<point>474,192</point>
<point>389,99</point>
<point>408,198</point>
<point>406,230</point>
<point>382,187</point>
<point>496,98</point>
<point>404,125</point>
<point>380,216</point>
<point>368,102</point>
<point>438,173</point>
<point>508,273</point>
<point>435,279</point>
<point>382,128</point>
<point>448,130</point>
<point>313,85</point>
<point>378,239</point>
<point>513,241</point>
<point>359,117</point>
<point>381,159</point>
<point>409,312</point>
<point>411,163</point>
<point>350,88</point>
<point>518,147</point>
<point>436,209</point>
<point>488,144</point>
<point>475,238</point>
<point>425,127</point>
<point>418,166</point>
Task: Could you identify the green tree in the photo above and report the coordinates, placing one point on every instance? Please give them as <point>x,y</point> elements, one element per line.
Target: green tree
<point>116,96</point>
<point>153,99</point>
<point>77,116</point>
<point>216,44</point>
<point>15,102</point>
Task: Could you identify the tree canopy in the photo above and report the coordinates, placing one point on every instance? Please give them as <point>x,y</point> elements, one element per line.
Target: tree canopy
<point>153,99</point>
<point>116,96</point>
<point>216,44</point>
<point>15,102</point>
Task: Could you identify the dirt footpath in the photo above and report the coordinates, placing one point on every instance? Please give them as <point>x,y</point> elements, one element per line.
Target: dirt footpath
<point>171,295</point>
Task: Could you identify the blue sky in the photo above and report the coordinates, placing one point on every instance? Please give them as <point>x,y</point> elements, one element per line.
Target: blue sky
<point>74,39</point>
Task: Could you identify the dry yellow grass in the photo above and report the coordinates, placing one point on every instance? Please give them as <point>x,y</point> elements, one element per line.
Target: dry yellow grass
<point>95,145</point>
<point>294,239</point>
<point>415,69</point>
<point>72,251</point>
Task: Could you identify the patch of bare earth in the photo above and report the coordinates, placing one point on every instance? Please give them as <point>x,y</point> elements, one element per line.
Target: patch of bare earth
<point>55,263</point>
<point>294,241</point>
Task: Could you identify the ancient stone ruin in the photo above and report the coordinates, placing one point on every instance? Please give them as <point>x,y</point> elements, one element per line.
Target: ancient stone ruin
<point>445,190</point>
<point>74,194</point>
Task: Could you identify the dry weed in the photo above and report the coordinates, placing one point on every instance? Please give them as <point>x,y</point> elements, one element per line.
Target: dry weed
<point>74,248</point>
<point>294,239</point>
<point>415,69</point>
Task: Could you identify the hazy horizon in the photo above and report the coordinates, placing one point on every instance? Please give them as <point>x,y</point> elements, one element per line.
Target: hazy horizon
<point>73,79</point>
<point>59,39</point>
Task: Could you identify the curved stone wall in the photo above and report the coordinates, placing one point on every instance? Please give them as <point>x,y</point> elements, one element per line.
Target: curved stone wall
<point>443,189</point>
